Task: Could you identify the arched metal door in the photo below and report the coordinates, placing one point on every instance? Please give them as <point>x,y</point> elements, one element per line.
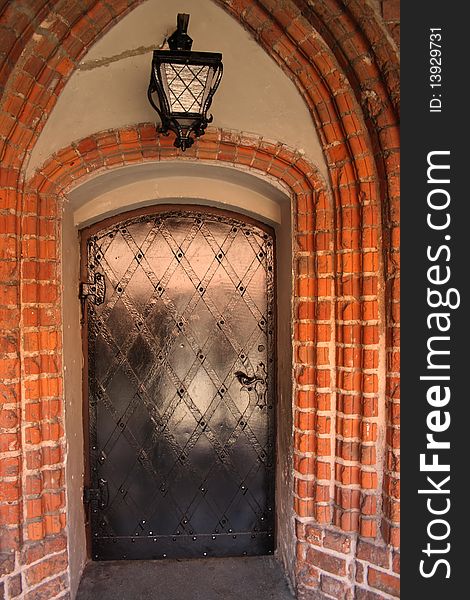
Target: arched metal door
<point>180,373</point>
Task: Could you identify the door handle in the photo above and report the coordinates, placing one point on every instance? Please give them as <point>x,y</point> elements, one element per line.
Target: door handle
<point>256,383</point>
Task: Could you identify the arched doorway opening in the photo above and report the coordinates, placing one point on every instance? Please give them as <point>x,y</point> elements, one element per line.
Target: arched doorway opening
<point>211,185</point>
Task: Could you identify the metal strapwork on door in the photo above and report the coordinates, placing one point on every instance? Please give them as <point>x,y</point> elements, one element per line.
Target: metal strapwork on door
<point>181,372</point>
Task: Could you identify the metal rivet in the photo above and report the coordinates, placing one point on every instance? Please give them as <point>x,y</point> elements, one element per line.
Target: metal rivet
<point>230,530</point>
<point>154,539</point>
<point>194,538</point>
<point>151,532</point>
<point>213,537</point>
<point>201,289</point>
<point>164,556</point>
<point>174,539</point>
<point>204,553</point>
<point>234,537</point>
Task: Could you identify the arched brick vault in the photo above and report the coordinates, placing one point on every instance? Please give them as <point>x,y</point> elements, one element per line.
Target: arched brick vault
<point>349,80</point>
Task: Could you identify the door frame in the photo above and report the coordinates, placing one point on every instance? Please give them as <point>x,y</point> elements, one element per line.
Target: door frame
<point>90,230</point>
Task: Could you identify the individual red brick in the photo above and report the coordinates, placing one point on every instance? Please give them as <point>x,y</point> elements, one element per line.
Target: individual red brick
<point>363,594</point>
<point>337,541</point>
<point>9,491</point>
<point>14,586</point>
<point>396,562</point>
<point>367,527</point>
<point>384,582</point>
<point>372,553</point>
<point>9,442</point>
<point>336,588</point>
<point>313,534</point>
<point>326,562</point>
<point>391,10</point>
<point>359,572</point>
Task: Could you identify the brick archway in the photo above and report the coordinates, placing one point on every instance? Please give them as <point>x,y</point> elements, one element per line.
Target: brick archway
<point>346,251</point>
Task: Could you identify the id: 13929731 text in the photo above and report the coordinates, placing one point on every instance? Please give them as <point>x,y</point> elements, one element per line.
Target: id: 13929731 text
<point>435,69</point>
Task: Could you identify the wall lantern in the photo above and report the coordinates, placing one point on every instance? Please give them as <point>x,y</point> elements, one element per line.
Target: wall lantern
<point>185,83</point>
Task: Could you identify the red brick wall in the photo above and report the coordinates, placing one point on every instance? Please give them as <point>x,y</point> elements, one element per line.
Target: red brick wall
<point>346,445</point>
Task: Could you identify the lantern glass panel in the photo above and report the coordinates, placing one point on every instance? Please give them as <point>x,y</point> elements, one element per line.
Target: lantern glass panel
<point>185,86</point>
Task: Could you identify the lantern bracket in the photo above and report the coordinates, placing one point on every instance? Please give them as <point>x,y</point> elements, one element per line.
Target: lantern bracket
<point>179,39</point>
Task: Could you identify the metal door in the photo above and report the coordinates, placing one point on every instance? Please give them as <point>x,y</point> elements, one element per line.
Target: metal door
<point>179,345</point>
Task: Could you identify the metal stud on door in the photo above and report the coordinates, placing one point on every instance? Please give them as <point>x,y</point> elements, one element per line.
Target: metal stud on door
<point>181,379</point>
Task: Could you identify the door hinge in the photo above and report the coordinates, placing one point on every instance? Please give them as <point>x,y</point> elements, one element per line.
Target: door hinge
<point>94,290</point>
<point>97,496</point>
